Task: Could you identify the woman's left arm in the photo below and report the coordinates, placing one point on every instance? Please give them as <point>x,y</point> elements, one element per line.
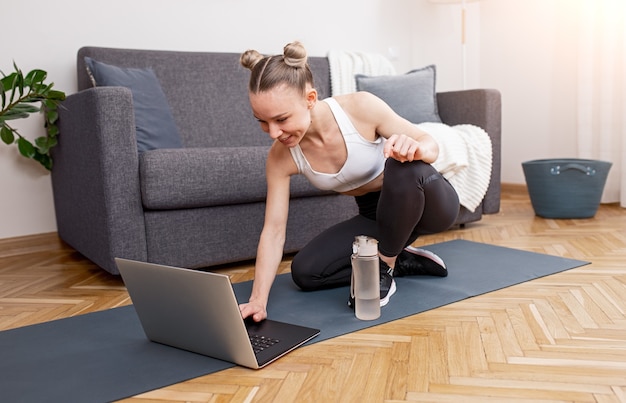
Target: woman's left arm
<point>405,141</point>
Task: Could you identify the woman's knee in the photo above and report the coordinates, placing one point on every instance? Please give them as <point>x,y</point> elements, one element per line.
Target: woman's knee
<point>417,172</point>
<point>442,206</point>
<point>319,271</point>
<point>301,273</point>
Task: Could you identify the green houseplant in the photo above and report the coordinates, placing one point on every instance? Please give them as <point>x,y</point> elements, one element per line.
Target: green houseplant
<point>23,95</point>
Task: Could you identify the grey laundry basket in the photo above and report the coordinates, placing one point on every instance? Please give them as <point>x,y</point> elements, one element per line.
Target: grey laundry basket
<point>565,188</point>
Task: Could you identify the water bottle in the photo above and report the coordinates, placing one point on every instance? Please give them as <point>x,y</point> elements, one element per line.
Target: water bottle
<point>366,278</point>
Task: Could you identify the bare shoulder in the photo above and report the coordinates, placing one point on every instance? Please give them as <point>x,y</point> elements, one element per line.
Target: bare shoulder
<point>369,111</point>
<point>360,99</point>
<point>280,162</point>
<point>364,106</point>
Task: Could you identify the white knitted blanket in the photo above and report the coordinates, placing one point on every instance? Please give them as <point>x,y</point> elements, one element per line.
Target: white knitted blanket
<point>345,65</point>
<point>464,159</point>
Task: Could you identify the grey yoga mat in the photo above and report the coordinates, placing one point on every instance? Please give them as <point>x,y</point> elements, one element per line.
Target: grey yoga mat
<point>105,356</point>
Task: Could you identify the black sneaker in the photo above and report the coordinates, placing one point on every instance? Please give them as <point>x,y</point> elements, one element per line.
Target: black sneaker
<point>387,285</point>
<point>414,261</point>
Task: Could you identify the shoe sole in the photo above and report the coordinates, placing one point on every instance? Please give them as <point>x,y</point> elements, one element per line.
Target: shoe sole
<point>427,254</point>
<point>392,290</point>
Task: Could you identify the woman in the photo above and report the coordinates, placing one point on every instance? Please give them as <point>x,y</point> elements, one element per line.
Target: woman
<point>353,144</point>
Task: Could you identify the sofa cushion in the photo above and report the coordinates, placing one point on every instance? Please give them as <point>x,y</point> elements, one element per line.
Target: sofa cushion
<point>204,177</point>
<point>411,95</point>
<point>153,117</point>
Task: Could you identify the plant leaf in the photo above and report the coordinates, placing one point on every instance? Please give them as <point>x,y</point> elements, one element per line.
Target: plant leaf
<point>6,83</point>
<point>12,115</point>
<point>34,77</point>
<point>15,82</point>
<point>56,95</point>
<point>20,83</point>
<point>6,135</point>
<point>52,116</point>
<point>53,130</point>
<point>26,108</point>
<point>51,141</point>
<point>34,96</point>
<point>26,148</point>
<point>43,144</point>
<point>44,159</point>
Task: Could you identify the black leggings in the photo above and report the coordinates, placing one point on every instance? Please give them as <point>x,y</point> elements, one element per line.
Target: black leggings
<point>414,200</point>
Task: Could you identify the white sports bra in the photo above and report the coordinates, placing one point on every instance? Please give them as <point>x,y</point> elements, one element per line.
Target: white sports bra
<point>365,160</point>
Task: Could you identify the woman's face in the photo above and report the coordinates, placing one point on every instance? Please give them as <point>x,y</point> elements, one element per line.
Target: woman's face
<point>284,113</point>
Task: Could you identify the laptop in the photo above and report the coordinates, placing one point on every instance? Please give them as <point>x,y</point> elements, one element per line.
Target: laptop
<point>198,311</point>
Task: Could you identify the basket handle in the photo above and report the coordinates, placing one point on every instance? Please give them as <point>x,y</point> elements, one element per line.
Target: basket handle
<point>587,170</point>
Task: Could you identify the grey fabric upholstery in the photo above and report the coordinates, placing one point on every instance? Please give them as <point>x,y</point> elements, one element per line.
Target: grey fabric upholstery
<point>177,178</point>
<point>482,108</point>
<point>203,204</point>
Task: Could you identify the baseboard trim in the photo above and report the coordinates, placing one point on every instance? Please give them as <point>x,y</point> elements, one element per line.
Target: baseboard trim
<point>514,188</point>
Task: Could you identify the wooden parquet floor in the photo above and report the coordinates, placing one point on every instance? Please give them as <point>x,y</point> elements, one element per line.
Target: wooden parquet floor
<point>561,338</point>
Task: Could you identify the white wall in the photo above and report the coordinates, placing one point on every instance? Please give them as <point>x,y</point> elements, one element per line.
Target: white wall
<point>521,47</point>
<point>529,52</point>
<point>47,34</point>
<point>437,33</point>
<point>527,49</point>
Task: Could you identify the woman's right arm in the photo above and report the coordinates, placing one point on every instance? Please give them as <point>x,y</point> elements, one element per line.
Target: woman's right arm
<point>272,240</point>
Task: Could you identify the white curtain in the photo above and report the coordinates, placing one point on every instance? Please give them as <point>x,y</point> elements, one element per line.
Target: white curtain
<point>602,90</point>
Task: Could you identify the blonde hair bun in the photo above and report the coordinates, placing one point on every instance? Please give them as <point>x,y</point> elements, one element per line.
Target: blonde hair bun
<point>294,55</point>
<point>250,58</point>
<point>266,72</point>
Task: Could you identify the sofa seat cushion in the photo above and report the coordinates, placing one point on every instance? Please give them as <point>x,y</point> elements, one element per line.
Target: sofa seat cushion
<point>204,177</point>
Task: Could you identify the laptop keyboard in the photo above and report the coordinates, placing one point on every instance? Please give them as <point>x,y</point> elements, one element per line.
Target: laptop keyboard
<point>260,343</point>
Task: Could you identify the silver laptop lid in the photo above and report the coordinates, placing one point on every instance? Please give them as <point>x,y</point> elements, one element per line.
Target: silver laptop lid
<point>188,309</point>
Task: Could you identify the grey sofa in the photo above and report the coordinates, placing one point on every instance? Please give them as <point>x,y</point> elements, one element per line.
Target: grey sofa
<point>202,204</point>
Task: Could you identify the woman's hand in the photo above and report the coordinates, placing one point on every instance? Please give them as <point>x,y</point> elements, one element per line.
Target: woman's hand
<point>253,309</point>
<point>402,148</point>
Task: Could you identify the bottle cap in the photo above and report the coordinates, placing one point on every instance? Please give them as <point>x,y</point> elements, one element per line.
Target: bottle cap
<point>365,246</point>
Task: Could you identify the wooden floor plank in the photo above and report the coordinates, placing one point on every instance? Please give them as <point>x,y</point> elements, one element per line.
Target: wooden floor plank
<point>561,338</point>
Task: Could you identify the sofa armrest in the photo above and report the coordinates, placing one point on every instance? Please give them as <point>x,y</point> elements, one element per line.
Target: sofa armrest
<point>482,108</point>
<point>95,177</point>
